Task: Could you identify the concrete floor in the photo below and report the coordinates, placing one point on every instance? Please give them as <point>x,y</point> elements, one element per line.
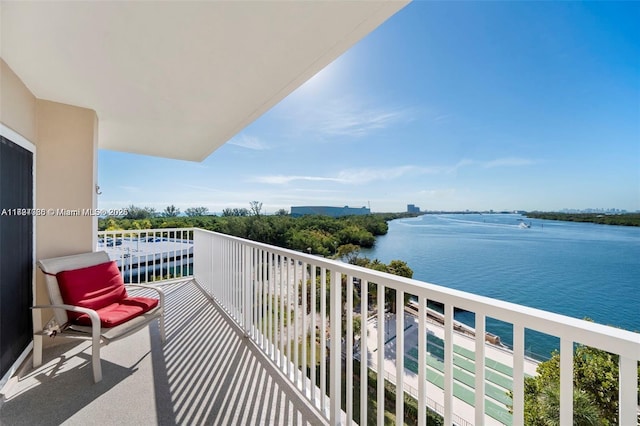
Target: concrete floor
<point>206,373</point>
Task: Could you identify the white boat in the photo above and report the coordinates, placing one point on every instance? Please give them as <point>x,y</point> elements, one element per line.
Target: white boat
<point>524,225</point>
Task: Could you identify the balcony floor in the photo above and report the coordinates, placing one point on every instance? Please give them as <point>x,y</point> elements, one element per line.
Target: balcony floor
<point>206,373</point>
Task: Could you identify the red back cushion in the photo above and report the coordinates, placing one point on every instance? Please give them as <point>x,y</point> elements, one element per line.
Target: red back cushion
<point>94,287</point>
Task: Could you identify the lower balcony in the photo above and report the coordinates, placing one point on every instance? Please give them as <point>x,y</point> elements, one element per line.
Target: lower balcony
<point>257,334</point>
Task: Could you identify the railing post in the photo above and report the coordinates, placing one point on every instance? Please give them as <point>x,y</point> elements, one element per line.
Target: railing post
<point>566,382</point>
<point>335,363</point>
<point>480,369</point>
<point>348,343</point>
<point>380,361</point>
<point>400,356</point>
<point>518,374</point>
<point>448,364</point>
<point>422,360</point>
<point>627,402</point>
<point>247,290</point>
<point>323,340</point>
<point>364,351</point>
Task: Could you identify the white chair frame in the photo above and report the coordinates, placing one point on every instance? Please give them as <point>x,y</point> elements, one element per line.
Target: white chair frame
<point>98,335</point>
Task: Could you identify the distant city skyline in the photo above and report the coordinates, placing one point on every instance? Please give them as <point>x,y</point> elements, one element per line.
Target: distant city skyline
<point>447,106</point>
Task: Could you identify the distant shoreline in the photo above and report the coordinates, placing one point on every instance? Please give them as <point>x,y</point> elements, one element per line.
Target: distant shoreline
<point>626,219</point>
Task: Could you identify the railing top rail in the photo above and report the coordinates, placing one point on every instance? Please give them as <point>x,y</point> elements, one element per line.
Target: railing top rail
<point>141,231</point>
<point>622,342</point>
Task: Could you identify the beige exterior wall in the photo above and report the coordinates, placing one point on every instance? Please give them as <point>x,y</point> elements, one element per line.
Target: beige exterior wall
<point>65,180</point>
<point>17,104</point>
<point>66,149</point>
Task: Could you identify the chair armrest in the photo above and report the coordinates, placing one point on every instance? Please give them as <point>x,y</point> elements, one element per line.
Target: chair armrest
<point>71,308</point>
<point>93,315</point>
<point>150,287</point>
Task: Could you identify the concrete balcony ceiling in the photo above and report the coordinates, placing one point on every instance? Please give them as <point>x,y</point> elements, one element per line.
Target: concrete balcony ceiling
<point>178,79</point>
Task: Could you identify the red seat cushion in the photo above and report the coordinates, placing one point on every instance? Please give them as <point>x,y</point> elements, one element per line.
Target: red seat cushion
<point>93,287</point>
<point>120,312</point>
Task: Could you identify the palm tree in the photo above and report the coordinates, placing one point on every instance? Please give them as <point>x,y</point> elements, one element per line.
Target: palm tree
<point>585,412</point>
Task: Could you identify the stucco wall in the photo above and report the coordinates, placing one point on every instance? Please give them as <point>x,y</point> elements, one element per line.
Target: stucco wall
<point>17,104</point>
<point>65,178</point>
<point>66,148</point>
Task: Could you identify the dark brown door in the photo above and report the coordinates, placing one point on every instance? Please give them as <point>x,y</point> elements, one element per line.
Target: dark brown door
<point>16,251</point>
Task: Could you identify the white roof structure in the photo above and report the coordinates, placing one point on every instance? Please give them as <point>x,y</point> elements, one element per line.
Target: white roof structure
<point>178,79</point>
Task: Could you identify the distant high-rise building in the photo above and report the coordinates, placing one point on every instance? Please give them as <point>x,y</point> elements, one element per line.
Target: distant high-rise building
<point>412,208</point>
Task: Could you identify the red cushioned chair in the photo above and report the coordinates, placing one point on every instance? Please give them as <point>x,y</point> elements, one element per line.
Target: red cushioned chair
<point>90,300</point>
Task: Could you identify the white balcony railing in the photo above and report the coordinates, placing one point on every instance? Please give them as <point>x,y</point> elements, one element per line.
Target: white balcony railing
<point>151,254</point>
<point>294,307</point>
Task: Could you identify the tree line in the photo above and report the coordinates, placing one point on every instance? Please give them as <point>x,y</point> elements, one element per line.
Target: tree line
<point>320,235</point>
<point>625,219</point>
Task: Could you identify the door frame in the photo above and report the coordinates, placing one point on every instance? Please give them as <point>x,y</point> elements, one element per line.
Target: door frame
<point>23,142</point>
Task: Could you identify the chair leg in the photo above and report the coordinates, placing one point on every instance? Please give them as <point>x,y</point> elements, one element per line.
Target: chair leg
<point>37,350</point>
<point>36,317</point>
<point>163,335</point>
<point>95,359</point>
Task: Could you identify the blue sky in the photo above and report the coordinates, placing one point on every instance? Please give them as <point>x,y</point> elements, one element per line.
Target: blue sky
<point>447,105</point>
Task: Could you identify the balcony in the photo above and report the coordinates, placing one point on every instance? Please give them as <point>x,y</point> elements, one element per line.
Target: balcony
<point>260,335</point>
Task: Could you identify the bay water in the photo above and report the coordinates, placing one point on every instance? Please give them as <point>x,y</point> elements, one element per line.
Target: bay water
<point>576,269</point>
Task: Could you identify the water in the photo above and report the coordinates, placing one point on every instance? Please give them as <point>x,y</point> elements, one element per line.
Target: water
<point>576,269</point>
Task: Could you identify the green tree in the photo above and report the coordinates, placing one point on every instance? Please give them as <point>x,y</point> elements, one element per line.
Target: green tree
<point>238,212</point>
<point>375,224</point>
<point>259,229</point>
<point>303,239</point>
<point>282,212</point>
<point>235,226</point>
<point>400,268</point>
<point>348,253</point>
<point>255,208</point>
<point>354,234</point>
<point>595,381</point>
<point>134,212</point>
<point>171,211</point>
<point>196,211</point>
<point>111,225</point>
<point>141,224</point>
<point>585,413</point>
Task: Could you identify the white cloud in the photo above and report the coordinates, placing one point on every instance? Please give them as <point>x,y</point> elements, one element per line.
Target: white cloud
<point>366,175</point>
<point>347,117</point>
<point>350,176</point>
<point>437,193</point>
<point>442,118</point>
<point>133,189</point>
<point>499,162</point>
<point>360,176</point>
<point>508,162</point>
<point>200,188</point>
<point>283,179</point>
<point>248,142</point>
